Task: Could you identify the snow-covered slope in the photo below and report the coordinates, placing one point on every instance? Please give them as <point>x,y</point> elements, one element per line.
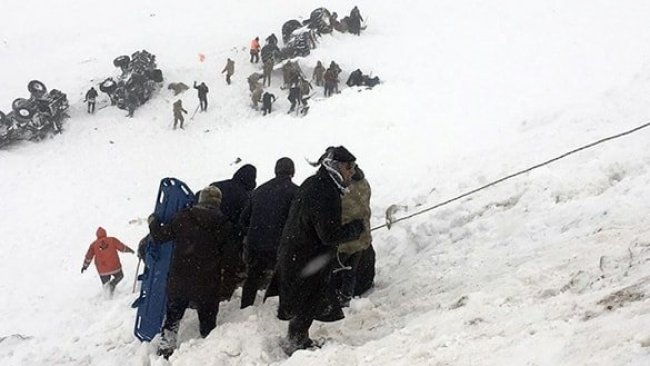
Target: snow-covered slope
<point>550,268</point>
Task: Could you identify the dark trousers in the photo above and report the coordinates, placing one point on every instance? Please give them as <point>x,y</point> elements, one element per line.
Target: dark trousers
<point>117,277</point>
<point>267,77</point>
<point>91,106</point>
<point>299,330</point>
<point>329,88</point>
<point>255,57</point>
<point>203,102</point>
<point>349,277</point>
<point>266,109</point>
<point>232,266</point>
<point>207,310</point>
<point>259,262</point>
<point>179,119</point>
<point>228,78</point>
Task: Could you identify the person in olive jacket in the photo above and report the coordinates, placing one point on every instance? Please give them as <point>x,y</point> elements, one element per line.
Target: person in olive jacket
<point>308,248</point>
<point>354,205</point>
<point>199,233</point>
<point>262,221</point>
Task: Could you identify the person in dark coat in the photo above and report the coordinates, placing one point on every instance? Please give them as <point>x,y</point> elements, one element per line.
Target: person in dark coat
<point>203,95</point>
<point>262,221</point>
<point>354,22</point>
<point>294,95</point>
<point>236,193</point>
<point>308,248</point>
<point>199,233</point>
<point>91,96</point>
<point>355,79</point>
<point>267,102</point>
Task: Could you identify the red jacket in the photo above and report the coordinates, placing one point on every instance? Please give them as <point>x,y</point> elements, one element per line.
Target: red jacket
<point>104,250</point>
<point>255,46</point>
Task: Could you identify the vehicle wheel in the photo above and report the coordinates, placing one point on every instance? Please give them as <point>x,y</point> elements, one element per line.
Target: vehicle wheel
<point>22,110</point>
<point>107,86</point>
<point>122,61</point>
<point>156,75</point>
<point>3,118</point>
<point>288,28</point>
<point>36,88</point>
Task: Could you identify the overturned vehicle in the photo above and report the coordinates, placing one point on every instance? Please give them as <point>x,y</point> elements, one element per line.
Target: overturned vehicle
<point>34,118</point>
<point>139,79</point>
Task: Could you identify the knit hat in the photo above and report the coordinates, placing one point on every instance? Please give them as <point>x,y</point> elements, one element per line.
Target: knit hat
<point>210,196</point>
<point>342,154</point>
<point>284,167</point>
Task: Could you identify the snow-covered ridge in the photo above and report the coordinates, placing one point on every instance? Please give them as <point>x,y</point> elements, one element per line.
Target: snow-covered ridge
<point>547,269</point>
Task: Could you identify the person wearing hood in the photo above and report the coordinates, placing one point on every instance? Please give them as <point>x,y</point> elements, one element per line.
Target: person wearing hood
<point>262,221</point>
<point>236,193</point>
<point>308,248</point>
<point>104,250</point>
<point>199,233</point>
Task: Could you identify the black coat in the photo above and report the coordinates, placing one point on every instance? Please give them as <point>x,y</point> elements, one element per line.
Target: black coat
<point>236,192</point>
<point>264,217</point>
<point>307,248</point>
<point>203,90</point>
<point>199,234</point>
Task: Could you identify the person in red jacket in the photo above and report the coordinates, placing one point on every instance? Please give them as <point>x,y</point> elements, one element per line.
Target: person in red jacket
<point>255,50</point>
<point>104,250</point>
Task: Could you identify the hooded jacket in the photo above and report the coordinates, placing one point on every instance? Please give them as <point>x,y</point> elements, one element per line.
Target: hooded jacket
<point>104,251</point>
<point>236,191</point>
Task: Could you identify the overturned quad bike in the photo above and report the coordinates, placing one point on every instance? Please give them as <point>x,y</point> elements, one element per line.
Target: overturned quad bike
<point>139,79</point>
<point>36,117</point>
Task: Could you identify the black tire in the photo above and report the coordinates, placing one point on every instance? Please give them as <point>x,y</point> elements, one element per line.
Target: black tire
<point>36,88</point>
<point>108,86</point>
<point>156,75</point>
<point>288,27</point>
<point>122,61</point>
<point>22,109</point>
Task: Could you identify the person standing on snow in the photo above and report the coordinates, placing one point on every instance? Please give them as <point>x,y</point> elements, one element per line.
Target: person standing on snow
<point>319,71</point>
<point>91,96</point>
<point>236,193</point>
<point>178,113</point>
<point>229,69</point>
<point>199,234</point>
<point>203,95</point>
<point>255,50</point>
<point>104,250</point>
<point>267,102</point>
<point>267,69</point>
<point>262,221</point>
<point>256,96</point>
<point>308,248</point>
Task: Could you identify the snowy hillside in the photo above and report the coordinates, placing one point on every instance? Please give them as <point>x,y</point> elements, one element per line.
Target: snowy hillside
<point>550,268</point>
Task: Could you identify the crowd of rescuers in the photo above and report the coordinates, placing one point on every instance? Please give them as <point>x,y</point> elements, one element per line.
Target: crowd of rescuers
<point>309,244</point>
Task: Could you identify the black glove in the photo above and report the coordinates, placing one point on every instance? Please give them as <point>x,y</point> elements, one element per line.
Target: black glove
<point>83,269</point>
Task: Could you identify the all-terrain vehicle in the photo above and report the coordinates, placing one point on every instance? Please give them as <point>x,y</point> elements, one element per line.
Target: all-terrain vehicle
<point>139,79</point>
<point>35,117</point>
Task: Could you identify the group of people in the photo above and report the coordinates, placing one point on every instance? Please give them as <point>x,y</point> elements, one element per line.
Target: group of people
<point>309,244</point>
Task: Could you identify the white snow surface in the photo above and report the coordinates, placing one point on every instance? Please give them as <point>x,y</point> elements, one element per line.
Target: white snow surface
<point>549,268</point>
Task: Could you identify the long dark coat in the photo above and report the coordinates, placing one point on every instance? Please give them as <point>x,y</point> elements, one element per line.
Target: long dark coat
<point>264,217</point>
<point>307,249</point>
<point>236,191</point>
<point>199,234</point>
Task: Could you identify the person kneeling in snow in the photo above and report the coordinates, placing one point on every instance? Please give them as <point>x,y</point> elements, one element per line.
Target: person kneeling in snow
<point>104,250</point>
<point>199,233</point>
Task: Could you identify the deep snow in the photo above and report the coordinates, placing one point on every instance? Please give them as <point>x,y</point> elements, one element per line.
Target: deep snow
<point>550,268</point>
